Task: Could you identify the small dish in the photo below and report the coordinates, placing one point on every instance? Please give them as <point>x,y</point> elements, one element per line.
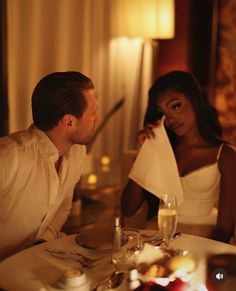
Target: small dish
<point>73,279</point>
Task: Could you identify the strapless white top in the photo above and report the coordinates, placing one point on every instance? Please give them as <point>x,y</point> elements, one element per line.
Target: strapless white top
<point>201,189</point>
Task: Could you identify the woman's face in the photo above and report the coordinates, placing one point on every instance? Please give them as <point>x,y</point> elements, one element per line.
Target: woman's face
<point>178,110</point>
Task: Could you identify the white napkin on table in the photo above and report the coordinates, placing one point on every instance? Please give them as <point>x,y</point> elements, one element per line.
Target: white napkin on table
<point>155,167</point>
<point>149,254</point>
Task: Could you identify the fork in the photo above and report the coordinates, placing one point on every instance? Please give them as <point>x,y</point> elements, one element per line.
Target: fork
<point>158,239</point>
<point>67,257</point>
<point>86,260</point>
<point>162,241</point>
<point>151,239</point>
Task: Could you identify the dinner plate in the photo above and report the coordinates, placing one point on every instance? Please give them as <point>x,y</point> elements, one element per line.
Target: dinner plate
<point>91,243</point>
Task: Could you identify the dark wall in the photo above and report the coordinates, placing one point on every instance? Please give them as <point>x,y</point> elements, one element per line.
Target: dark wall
<point>203,38</point>
<point>3,71</point>
<point>173,54</point>
<point>194,45</point>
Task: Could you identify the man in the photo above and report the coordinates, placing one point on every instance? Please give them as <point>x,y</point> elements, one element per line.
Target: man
<point>40,166</point>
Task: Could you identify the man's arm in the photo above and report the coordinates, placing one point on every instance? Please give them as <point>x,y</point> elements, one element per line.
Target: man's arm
<point>52,231</point>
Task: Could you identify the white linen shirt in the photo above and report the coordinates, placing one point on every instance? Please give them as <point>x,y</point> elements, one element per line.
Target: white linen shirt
<point>35,200</point>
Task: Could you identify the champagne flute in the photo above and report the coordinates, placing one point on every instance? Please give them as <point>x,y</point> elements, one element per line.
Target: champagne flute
<point>167,217</point>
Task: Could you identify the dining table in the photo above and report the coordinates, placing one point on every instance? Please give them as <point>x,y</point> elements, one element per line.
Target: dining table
<point>37,269</point>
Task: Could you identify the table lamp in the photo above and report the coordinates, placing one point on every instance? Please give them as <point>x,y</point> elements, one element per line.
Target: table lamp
<point>149,19</point>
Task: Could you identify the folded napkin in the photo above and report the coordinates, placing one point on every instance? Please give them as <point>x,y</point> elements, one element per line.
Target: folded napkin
<point>155,167</point>
<point>149,254</point>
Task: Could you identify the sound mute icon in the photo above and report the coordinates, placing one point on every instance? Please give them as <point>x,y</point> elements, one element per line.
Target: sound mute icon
<point>219,276</point>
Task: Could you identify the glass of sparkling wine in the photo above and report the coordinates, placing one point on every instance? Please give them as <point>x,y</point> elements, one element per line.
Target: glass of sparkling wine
<point>167,217</point>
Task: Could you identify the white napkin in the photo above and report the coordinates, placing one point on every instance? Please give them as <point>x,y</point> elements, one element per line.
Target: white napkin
<point>149,254</point>
<point>155,167</point>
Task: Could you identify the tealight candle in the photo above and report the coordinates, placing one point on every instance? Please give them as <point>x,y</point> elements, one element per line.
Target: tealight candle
<point>92,179</point>
<point>105,160</point>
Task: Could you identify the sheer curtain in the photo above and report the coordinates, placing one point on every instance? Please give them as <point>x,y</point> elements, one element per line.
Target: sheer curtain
<point>60,35</point>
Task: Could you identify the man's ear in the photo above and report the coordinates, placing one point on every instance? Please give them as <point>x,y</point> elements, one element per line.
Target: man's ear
<point>67,120</point>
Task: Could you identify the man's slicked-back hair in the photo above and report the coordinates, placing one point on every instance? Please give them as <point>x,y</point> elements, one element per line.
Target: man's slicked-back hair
<point>58,94</point>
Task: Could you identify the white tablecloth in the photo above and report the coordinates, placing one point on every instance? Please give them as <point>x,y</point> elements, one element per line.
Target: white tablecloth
<point>34,268</point>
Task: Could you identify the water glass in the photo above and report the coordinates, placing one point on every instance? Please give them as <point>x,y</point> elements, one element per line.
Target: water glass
<point>124,258</point>
<point>167,217</point>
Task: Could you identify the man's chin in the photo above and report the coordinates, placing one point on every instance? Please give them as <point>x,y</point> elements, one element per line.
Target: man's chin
<point>87,141</point>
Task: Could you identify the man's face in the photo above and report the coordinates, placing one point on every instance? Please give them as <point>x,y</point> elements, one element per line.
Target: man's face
<point>84,127</point>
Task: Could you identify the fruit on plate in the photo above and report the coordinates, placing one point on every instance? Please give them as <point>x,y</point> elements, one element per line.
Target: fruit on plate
<point>183,263</point>
<point>156,271</point>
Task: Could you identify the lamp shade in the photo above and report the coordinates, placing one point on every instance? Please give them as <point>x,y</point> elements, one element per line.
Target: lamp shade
<point>144,18</point>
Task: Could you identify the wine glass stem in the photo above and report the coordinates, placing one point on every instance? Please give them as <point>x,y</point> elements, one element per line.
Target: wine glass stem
<point>166,243</point>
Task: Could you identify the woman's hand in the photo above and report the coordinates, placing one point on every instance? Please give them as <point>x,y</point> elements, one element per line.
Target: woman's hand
<point>146,132</point>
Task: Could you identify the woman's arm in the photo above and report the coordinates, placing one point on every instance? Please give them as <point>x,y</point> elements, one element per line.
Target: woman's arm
<point>132,198</point>
<point>227,198</point>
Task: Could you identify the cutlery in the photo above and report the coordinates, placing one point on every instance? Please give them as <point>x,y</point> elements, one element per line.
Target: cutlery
<point>176,235</point>
<point>68,257</point>
<point>112,281</point>
<point>63,252</point>
<point>158,240</point>
<point>84,264</point>
<point>148,238</point>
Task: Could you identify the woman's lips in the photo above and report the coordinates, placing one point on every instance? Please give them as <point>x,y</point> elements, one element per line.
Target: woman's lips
<point>176,126</point>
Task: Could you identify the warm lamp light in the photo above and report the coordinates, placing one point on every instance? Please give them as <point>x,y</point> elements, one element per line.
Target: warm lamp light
<point>144,18</point>
<point>92,179</point>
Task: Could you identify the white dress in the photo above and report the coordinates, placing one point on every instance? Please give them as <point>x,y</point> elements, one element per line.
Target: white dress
<point>201,189</point>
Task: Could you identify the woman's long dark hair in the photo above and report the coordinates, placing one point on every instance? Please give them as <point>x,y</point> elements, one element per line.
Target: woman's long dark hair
<point>185,83</point>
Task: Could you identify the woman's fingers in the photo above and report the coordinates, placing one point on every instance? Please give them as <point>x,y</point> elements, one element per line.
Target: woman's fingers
<point>146,132</point>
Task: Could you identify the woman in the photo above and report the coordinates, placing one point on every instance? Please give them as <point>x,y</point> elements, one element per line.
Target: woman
<point>206,163</point>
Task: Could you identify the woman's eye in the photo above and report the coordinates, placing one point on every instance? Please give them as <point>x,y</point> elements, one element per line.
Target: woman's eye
<point>176,106</point>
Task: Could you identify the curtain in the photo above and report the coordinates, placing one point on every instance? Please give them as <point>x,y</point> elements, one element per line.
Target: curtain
<point>60,35</point>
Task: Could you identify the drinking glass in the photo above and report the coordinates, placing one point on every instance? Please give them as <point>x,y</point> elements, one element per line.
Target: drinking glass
<point>124,258</point>
<point>167,217</point>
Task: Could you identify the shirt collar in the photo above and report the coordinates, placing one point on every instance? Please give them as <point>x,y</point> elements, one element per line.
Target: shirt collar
<point>46,146</point>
